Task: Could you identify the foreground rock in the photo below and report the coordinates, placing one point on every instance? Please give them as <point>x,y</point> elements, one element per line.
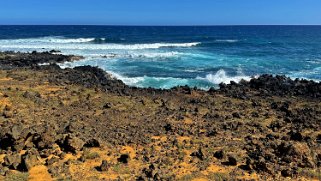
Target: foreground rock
<point>84,125</point>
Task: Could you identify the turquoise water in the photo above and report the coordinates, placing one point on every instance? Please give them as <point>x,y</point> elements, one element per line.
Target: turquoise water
<point>163,57</point>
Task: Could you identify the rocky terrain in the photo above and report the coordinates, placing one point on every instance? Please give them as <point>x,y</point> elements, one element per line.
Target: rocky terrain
<point>82,124</point>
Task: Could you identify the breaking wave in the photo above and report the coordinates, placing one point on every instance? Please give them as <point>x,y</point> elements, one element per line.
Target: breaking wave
<point>61,43</point>
<point>221,77</point>
<point>227,41</point>
<point>49,39</point>
<point>138,55</point>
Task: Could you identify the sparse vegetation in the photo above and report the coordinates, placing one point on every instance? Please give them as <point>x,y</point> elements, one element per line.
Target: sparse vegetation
<point>17,176</point>
<point>58,118</point>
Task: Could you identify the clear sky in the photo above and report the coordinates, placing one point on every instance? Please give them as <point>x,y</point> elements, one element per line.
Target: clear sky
<point>160,12</point>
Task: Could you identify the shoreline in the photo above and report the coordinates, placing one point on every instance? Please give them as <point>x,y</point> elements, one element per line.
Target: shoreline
<point>47,60</point>
<point>81,123</point>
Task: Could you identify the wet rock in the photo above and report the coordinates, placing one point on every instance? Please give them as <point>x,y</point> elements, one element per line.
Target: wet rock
<point>124,158</point>
<point>13,59</point>
<point>54,51</point>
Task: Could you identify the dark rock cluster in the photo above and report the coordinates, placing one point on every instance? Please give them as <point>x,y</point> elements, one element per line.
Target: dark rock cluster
<point>269,125</point>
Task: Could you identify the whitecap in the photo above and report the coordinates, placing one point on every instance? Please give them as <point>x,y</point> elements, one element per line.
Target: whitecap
<point>221,77</point>
<point>65,46</point>
<point>227,41</point>
<point>49,39</point>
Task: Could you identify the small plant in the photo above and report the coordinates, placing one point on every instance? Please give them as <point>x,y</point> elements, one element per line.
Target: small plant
<point>117,168</point>
<point>121,169</point>
<point>90,155</point>
<point>314,174</point>
<point>218,176</point>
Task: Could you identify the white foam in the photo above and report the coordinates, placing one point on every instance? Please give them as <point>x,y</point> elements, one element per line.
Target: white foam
<point>49,39</point>
<point>307,74</point>
<point>136,55</point>
<point>153,54</point>
<point>227,41</point>
<point>5,44</point>
<point>77,40</point>
<point>221,77</point>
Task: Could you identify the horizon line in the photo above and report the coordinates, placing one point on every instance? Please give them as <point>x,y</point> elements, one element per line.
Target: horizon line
<point>158,25</point>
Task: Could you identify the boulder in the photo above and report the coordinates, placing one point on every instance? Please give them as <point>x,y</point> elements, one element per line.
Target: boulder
<point>199,154</point>
<point>104,166</point>
<point>92,143</point>
<point>73,144</point>
<point>30,159</point>
<point>124,158</point>
<point>12,161</point>
<point>219,154</point>
<point>231,161</point>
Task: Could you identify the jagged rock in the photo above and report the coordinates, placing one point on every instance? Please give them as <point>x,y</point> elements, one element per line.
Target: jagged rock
<point>107,106</point>
<point>296,136</point>
<point>12,161</point>
<point>52,160</point>
<point>3,170</point>
<point>31,95</point>
<point>199,154</point>
<point>231,161</point>
<point>104,166</point>
<point>30,159</point>
<point>124,158</point>
<point>7,114</point>
<point>15,131</point>
<point>219,154</point>
<point>72,144</point>
<point>168,127</point>
<point>236,115</point>
<point>92,143</point>
<point>287,173</point>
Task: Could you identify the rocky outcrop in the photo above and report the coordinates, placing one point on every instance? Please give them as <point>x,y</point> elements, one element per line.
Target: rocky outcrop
<point>48,115</point>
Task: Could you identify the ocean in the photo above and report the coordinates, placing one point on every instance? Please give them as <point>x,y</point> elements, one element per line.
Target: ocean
<point>164,57</point>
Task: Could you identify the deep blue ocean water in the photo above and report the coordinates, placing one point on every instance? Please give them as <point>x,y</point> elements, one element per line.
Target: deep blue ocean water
<point>163,57</point>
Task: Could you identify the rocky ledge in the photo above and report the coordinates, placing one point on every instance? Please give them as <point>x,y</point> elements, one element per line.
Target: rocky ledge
<point>81,124</point>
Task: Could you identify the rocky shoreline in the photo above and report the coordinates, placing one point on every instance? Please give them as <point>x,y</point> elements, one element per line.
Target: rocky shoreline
<point>81,123</point>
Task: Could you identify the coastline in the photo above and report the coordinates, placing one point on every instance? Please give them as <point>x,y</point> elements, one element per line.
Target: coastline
<point>82,123</point>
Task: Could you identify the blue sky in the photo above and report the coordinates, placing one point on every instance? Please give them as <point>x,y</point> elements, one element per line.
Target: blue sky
<point>160,12</point>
